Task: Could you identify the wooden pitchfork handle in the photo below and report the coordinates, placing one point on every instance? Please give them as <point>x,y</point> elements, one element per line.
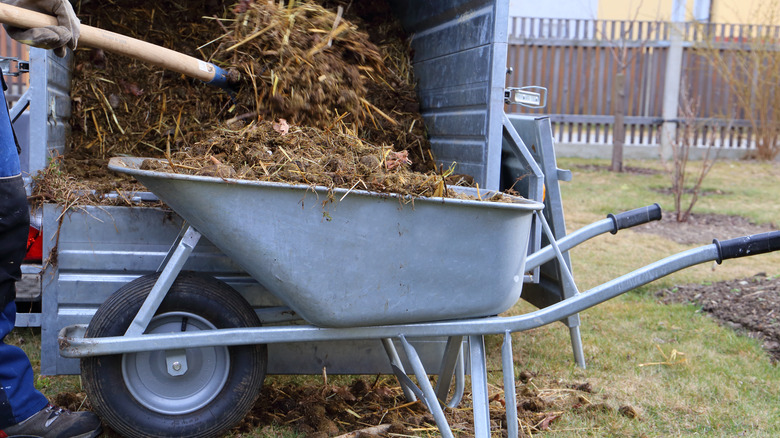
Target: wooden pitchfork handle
<point>123,45</point>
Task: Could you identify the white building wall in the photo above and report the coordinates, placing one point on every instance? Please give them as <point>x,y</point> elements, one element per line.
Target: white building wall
<point>584,9</point>
<point>551,10</point>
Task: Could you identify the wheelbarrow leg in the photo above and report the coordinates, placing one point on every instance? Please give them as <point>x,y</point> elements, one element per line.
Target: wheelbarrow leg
<point>569,287</point>
<point>452,365</point>
<point>510,396</point>
<point>576,346</point>
<point>479,395</point>
<point>429,396</point>
<point>398,368</point>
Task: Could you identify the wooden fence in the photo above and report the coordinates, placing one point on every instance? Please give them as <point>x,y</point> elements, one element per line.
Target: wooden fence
<point>578,61</point>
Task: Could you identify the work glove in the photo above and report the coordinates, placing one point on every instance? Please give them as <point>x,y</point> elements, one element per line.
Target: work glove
<point>49,37</point>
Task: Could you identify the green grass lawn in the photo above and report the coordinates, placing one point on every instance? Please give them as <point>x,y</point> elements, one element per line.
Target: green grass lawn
<point>678,369</point>
<point>721,384</point>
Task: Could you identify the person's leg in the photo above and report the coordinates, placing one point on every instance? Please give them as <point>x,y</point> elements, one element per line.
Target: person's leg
<point>19,399</point>
<point>23,410</point>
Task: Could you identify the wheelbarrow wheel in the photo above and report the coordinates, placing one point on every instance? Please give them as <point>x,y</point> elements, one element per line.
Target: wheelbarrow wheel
<point>136,393</point>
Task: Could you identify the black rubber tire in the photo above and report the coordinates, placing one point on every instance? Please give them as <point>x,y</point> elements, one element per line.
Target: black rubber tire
<point>201,295</point>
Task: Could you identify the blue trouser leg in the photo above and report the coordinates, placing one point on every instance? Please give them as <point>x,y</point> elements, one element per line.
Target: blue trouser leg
<point>18,397</point>
<point>9,154</point>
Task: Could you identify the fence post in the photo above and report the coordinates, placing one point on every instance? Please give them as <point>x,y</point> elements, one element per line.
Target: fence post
<point>672,79</point>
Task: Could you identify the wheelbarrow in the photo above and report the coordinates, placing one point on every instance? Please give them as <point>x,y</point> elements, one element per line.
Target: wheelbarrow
<point>179,354</point>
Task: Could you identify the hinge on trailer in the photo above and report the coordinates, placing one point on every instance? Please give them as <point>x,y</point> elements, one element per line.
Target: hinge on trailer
<point>14,66</point>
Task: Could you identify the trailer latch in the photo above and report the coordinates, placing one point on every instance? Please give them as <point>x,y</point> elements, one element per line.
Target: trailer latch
<point>14,66</point>
<point>529,97</point>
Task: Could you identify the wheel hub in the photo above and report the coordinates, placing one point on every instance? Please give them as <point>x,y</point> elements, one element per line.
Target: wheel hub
<point>180,381</point>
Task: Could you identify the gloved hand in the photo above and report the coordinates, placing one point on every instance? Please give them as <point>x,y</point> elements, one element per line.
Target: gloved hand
<point>49,37</point>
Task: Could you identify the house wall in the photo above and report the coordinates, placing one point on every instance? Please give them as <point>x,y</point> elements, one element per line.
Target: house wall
<point>715,11</point>
<point>583,9</point>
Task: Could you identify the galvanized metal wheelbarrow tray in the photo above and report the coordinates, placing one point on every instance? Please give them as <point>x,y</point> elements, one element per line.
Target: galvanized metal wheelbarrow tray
<point>359,265</point>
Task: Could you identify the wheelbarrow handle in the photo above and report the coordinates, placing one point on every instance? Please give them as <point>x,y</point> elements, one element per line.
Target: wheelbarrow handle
<point>637,216</point>
<point>747,245</point>
<point>612,223</point>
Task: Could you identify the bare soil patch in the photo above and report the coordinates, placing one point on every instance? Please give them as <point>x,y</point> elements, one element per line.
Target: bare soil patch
<point>626,169</point>
<point>702,228</point>
<point>751,305</point>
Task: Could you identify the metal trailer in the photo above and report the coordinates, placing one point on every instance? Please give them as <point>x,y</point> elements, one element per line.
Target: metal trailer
<point>101,250</point>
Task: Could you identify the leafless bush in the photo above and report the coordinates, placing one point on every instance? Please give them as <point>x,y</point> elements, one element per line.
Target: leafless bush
<point>681,151</point>
<point>749,67</point>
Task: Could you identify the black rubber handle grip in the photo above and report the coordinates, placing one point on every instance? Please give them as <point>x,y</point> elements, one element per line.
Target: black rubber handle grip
<point>748,245</point>
<point>637,216</point>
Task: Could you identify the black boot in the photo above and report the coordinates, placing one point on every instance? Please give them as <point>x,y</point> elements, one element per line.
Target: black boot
<point>54,422</point>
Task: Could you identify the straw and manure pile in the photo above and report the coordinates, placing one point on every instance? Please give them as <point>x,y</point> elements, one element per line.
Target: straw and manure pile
<point>326,96</point>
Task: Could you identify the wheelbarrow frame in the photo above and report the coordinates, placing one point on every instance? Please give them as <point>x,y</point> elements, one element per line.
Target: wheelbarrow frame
<point>74,344</point>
